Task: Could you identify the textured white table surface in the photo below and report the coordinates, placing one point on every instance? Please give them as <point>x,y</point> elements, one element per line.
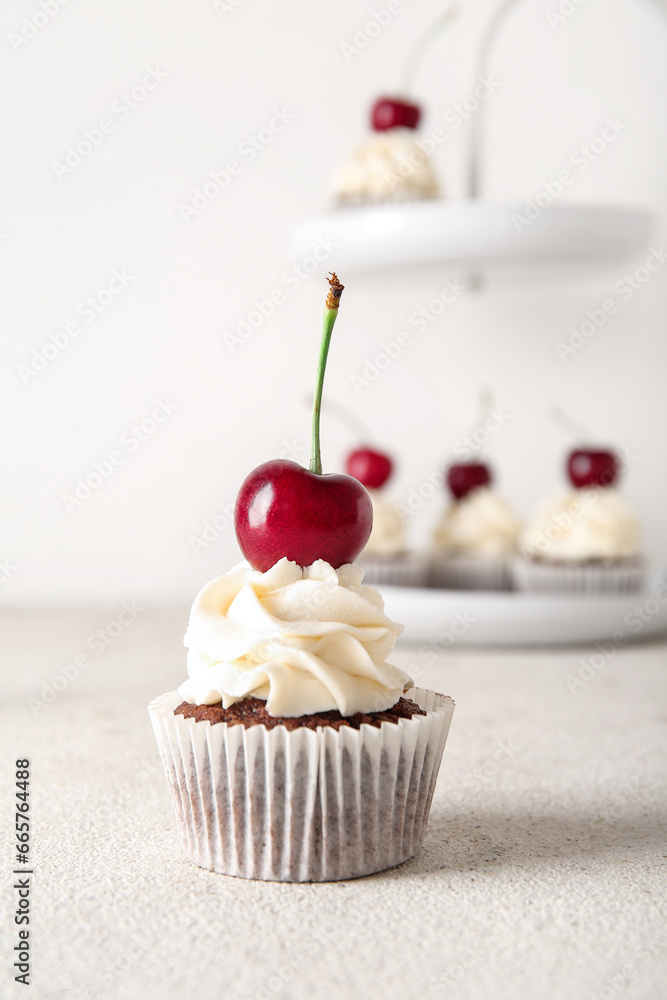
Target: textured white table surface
<point>542,875</point>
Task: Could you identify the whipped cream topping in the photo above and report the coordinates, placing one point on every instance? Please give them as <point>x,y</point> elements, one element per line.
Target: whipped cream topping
<point>388,166</point>
<point>482,523</point>
<point>593,523</point>
<point>387,537</point>
<point>306,640</point>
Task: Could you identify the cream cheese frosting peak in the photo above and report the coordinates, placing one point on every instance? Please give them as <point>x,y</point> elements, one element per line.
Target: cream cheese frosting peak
<point>388,166</point>
<point>482,523</point>
<point>305,639</point>
<point>388,533</point>
<point>591,523</point>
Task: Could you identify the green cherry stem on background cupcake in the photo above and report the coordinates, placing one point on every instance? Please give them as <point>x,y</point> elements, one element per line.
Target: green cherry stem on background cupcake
<point>415,56</point>
<point>330,314</point>
<point>572,427</point>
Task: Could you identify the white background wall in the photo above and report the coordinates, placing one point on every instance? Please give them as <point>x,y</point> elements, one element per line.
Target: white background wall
<point>191,282</point>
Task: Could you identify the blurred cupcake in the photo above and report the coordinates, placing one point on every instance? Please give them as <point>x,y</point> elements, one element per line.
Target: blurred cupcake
<point>294,751</point>
<point>584,540</point>
<point>391,165</point>
<point>476,538</point>
<point>386,558</point>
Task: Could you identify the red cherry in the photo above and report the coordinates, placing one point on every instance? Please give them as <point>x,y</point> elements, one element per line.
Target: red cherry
<point>592,467</point>
<point>284,510</point>
<point>467,476</point>
<point>370,467</point>
<point>391,112</point>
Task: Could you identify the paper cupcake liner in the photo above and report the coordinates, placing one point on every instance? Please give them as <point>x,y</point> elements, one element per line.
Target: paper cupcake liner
<point>459,572</point>
<point>399,571</point>
<point>398,196</point>
<point>302,805</point>
<point>586,578</point>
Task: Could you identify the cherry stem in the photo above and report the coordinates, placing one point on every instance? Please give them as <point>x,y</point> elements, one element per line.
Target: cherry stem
<point>344,416</point>
<point>330,314</point>
<point>484,404</point>
<point>573,427</point>
<point>420,47</point>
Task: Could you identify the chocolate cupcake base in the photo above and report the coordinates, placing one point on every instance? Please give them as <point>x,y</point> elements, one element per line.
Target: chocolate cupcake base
<point>302,805</point>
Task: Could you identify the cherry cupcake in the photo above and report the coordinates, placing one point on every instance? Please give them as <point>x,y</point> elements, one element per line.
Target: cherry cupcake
<point>583,540</point>
<point>391,165</point>
<point>386,558</point>
<point>295,751</point>
<point>476,538</point>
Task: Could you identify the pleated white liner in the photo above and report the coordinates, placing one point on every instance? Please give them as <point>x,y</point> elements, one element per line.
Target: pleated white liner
<point>536,577</point>
<point>408,570</point>
<point>462,572</point>
<point>302,805</point>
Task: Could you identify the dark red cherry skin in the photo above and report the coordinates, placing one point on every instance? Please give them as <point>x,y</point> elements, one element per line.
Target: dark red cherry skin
<point>592,467</point>
<point>372,468</point>
<point>391,112</point>
<point>283,510</point>
<point>466,476</point>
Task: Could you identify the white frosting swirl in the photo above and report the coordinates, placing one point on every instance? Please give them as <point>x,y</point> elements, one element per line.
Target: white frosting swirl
<point>387,536</point>
<point>304,639</point>
<point>593,523</point>
<point>482,523</point>
<point>388,166</point>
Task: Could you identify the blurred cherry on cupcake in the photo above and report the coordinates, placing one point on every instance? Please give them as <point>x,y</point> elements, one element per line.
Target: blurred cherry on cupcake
<point>585,539</point>
<point>392,164</point>
<point>476,535</point>
<point>386,558</point>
